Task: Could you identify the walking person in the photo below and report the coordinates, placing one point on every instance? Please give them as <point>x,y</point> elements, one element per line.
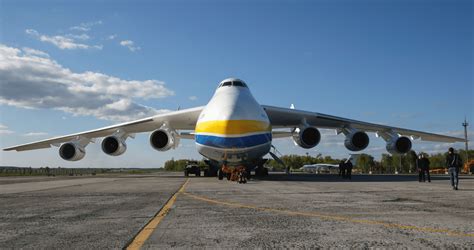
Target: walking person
<point>453,162</point>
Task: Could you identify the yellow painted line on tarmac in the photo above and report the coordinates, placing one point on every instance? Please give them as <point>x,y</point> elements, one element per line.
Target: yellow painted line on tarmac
<point>332,217</point>
<point>145,233</point>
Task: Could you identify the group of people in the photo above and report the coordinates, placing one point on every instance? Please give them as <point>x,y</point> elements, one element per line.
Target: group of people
<point>453,163</point>
<point>345,169</point>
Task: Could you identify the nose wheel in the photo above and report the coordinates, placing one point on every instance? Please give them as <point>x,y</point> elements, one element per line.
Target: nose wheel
<point>238,174</point>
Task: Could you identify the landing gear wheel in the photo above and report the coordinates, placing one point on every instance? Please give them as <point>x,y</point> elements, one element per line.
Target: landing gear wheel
<point>220,174</point>
<point>242,177</point>
<point>248,174</point>
<point>261,171</point>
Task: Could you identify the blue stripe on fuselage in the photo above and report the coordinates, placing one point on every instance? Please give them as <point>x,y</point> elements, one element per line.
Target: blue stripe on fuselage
<point>233,142</point>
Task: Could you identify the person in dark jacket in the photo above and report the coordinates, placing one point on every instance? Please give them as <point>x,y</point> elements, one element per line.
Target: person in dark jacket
<point>453,162</point>
<point>425,167</point>
<point>421,173</point>
<point>342,169</point>
<point>348,167</point>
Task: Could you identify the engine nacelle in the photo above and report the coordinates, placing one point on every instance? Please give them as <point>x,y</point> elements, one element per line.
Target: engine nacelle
<point>356,141</point>
<point>113,145</point>
<point>399,145</point>
<point>164,139</point>
<point>307,137</point>
<point>71,151</point>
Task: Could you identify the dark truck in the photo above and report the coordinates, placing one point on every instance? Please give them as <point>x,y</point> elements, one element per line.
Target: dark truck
<point>192,168</point>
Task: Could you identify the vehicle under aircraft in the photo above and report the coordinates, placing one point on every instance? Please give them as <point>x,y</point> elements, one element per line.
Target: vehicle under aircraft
<point>234,132</point>
<point>319,168</point>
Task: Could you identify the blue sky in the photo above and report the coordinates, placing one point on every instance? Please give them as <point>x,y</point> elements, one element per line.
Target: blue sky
<point>401,63</point>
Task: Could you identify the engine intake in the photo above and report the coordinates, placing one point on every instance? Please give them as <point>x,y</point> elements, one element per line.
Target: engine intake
<point>113,145</point>
<point>399,145</point>
<point>71,151</point>
<point>307,137</point>
<point>164,139</point>
<point>356,141</point>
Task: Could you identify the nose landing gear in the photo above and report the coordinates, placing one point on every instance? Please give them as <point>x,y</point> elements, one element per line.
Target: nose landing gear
<point>238,174</point>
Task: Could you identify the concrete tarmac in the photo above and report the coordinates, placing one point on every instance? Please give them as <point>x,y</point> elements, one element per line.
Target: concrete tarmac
<point>301,210</point>
<point>80,213</point>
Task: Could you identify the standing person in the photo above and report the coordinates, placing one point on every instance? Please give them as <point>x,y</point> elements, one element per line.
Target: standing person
<point>419,168</point>
<point>453,162</point>
<point>425,167</point>
<point>341,168</point>
<point>348,167</point>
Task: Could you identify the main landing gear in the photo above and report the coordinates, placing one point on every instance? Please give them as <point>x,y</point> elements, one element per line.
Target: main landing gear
<point>233,174</point>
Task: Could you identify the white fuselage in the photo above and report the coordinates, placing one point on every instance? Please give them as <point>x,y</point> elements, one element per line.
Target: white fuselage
<point>233,128</point>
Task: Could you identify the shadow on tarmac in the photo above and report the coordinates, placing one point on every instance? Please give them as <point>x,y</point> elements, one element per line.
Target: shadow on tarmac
<point>355,178</point>
<point>308,177</point>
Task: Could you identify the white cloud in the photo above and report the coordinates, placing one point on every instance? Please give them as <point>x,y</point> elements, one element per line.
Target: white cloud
<point>28,81</point>
<point>193,98</point>
<point>34,52</point>
<point>79,28</point>
<point>460,133</point>
<point>130,45</point>
<point>112,37</point>
<point>84,27</point>
<point>4,130</point>
<point>35,134</point>
<point>61,42</point>
<point>82,36</point>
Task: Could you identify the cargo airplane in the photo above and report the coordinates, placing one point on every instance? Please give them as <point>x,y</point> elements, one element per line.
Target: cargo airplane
<point>234,131</point>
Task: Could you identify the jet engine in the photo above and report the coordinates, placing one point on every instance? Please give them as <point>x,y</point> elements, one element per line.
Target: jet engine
<point>356,140</point>
<point>113,145</point>
<point>307,137</point>
<point>71,151</point>
<point>164,139</point>
<point>398,145</point>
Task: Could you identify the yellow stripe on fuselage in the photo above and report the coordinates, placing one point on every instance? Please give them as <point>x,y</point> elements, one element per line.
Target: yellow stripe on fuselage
<point>232,127</point>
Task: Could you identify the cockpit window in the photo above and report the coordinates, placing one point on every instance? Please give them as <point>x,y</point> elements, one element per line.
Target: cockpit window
<point>234,83</point>
<point>239,84</point>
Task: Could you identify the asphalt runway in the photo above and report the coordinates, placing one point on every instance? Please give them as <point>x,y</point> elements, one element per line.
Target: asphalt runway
<point>301,210</point>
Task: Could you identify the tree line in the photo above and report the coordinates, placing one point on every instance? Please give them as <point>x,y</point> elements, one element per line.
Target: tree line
<point>366,163</point>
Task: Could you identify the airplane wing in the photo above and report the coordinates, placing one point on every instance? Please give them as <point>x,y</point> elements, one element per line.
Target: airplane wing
<point>183,119</point>
<point>290,118</point>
